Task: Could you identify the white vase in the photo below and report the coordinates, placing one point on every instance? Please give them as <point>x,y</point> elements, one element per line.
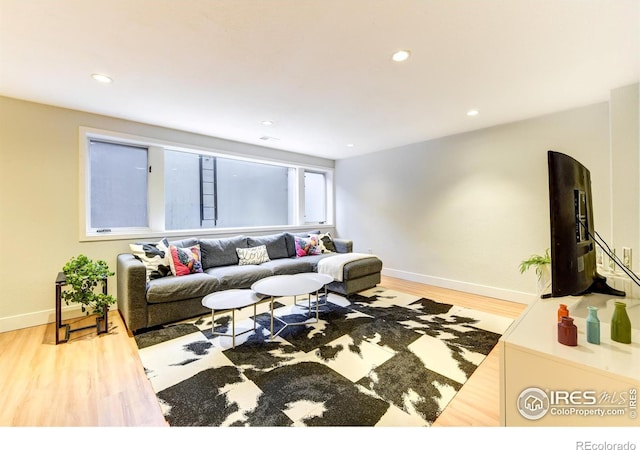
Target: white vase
<point>544,281</point>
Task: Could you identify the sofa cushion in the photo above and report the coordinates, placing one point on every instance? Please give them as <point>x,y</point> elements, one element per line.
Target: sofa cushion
<point>155,257</point>
<point>289,266</point>
<point>276,244</point>
<point>362,267</point>
<point>238,277</point>
<point>188,242</point>
<point>291,240</point>
<point>252,255</point>
<point>169,289</point>
<point>291,244</point>
<point>185,260</point>
<point>327,243</point>
<point>357,268</point>
<point>221,252</point>
<point>314,259</point>
<point>308,246</point>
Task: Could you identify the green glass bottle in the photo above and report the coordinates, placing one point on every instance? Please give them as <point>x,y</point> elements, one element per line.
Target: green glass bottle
<point>620,324</point>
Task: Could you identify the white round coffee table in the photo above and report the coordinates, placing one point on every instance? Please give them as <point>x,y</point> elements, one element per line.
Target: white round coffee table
<point>322,278</point>
<point>230,300</point>
<point>284,286</point>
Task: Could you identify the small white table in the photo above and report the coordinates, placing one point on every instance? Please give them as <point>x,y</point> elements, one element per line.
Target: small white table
<point>230,300</point>
<point>288,285</point>
<point>322,278</point>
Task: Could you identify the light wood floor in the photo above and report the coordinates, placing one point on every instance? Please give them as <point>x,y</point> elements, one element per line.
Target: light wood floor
<point>99,380</point>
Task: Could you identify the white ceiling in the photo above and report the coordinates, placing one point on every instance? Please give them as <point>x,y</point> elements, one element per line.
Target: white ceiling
<point>320,69</point>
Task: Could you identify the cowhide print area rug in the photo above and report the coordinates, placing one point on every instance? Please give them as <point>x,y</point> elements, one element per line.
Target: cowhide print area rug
<point>378,358</point>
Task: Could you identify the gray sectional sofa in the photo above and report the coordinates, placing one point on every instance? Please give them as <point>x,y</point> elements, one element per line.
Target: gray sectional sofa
<point>145,303</point>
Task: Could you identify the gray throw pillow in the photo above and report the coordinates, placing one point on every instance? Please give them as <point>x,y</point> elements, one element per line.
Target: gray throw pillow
<point>276,244</point>
<point>221,252</point>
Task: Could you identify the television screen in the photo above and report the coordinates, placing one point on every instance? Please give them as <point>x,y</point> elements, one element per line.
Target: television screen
<point>573,247</point>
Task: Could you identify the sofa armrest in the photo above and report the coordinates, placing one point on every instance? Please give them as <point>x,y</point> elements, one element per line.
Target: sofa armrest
<point>343,245</point>
<point>132,291</point>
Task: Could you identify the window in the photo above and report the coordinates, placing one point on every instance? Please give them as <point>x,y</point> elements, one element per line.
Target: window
<point>251,194</point>
<point>132,186</point>
<point>181,190</point>
<point>118,185</point>
<point>203,191</point>
<point>315,197</point>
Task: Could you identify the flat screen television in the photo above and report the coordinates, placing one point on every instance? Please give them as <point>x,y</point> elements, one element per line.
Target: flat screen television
<point>573,235</point>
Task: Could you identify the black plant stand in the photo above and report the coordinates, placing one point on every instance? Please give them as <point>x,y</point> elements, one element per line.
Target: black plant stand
<point>61,280</point>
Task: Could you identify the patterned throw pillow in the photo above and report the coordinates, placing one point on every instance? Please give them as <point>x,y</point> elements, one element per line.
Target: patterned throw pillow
<point>185,261</point>
<point>252,255</point>
<point>326,243</point>
<point>308,246</point>
<point>155,257</point>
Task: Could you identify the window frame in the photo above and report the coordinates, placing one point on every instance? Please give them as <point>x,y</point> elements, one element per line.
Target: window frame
<point>325,196</point>
<point>155,189</point>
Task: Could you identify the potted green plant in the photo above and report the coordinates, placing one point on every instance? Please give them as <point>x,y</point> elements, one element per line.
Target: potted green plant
<point>83,277</point>
<point>542,265</point>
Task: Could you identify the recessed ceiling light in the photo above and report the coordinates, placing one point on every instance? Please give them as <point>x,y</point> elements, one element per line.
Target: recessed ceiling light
<point>101,78</point>
<point>401,55</point>
<point>473,112</point>
<point>350,145</point>
<point>267,123</point>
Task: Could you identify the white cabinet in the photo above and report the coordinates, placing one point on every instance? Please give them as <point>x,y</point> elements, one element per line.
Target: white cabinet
<point>545,383</point>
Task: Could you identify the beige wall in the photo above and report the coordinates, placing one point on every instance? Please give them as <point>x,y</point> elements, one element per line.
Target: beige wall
<point>39,147</point>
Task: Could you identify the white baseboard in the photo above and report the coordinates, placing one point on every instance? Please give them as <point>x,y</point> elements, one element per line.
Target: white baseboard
<point>38,318</point>
<point>472,288</point>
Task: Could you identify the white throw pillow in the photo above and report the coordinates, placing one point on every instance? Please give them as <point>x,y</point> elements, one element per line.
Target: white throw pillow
<point>252,255</point>
<point>155,256</point>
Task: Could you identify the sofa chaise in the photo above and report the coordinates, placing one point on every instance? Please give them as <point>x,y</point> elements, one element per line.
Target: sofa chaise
<point>163,282</point>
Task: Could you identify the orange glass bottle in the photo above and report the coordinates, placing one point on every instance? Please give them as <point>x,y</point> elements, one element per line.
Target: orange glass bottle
<point>562,312</point>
